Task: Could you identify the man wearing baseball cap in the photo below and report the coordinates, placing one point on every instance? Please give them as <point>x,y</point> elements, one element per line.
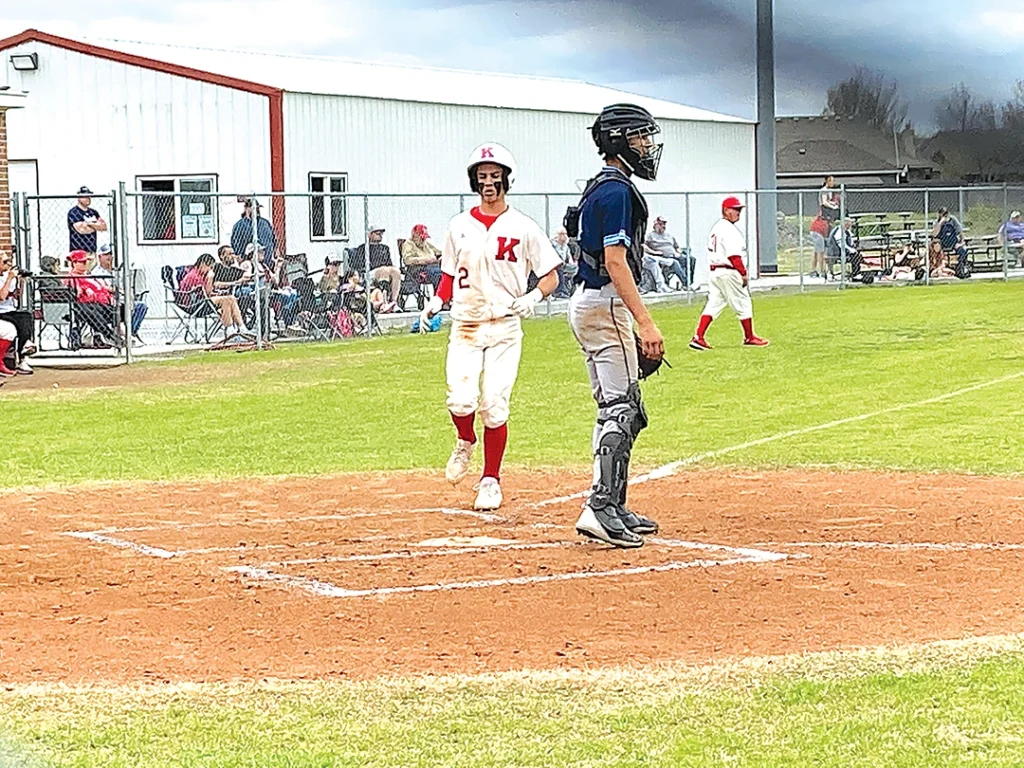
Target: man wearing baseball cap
<point>421,256</point>
<point>728,283</point>
<point>381,266</point>
<point>83,223</point>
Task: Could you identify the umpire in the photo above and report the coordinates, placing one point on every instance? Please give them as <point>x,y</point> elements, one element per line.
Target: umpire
<point>610,222</point>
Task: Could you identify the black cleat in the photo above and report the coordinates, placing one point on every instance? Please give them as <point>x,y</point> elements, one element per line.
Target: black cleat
<point>637,523</point>
<point>602,526</point>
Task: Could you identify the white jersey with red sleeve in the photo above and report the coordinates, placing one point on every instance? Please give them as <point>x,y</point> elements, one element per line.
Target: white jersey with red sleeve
<point>490,266</point>
<point>725,240</point>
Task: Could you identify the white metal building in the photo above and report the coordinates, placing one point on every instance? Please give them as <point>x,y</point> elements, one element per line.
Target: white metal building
<point>163,118</point>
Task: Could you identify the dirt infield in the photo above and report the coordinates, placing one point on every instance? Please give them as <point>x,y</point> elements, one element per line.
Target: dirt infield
<point>357,576</point>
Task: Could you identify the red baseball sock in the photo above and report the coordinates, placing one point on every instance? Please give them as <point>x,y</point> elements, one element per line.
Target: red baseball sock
<point>464,427</point>
<point>748,327</point>
<point>494,450</point>
<point>702,326</point>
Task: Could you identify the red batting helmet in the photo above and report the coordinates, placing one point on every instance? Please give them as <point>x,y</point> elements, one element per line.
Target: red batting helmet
<point>732,202</point>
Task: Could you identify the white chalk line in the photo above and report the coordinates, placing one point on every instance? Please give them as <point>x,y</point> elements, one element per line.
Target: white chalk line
<point>672,468</point>
<point>741,555</point>
<point>102,538</point>
<point>104,535</point>
<point>487,548</point>
<point>172,525</point>
<point>326,589</point>
<point>955,546</point>
<point>406,555</point>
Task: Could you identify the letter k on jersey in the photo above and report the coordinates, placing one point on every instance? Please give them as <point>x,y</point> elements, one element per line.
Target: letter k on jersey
<point>506,248</point>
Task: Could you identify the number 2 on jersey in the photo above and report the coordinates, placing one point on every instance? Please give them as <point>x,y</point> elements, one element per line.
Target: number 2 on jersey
<point>463,278</point>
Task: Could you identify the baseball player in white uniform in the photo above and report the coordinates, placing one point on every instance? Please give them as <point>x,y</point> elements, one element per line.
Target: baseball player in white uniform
<point>488,255</point>
<point>728,284</point>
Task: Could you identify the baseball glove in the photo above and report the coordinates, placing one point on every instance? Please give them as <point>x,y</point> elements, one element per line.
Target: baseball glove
<point>646,366</point>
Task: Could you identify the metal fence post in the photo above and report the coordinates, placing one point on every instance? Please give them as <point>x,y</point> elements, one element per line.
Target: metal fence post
<point>20,259</point>
<point>960,203</point>
<point>366,265</point>
<point>689,248</point>
<point>1002,225</point>
<point>844,233</point>
<point>927,241</point>
<point>121,250</point>
<point>746,238</point>
<point>800,237</point>
<point>547,232</point>
<point>254,213</point>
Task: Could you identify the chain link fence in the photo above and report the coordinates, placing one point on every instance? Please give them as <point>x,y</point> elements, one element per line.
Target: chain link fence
<point>330,264</point>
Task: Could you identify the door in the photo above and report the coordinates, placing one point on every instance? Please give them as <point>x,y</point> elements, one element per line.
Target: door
<point>23,177</point>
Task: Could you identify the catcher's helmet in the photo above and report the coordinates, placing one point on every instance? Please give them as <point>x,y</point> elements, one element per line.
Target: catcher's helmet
<point>627,131</point>
<point>491,152</point>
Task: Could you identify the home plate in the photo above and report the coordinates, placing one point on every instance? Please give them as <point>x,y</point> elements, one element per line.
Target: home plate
<point>466,541</point>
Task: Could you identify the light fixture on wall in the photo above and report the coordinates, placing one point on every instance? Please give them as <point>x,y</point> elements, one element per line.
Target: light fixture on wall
<point>25,62</point>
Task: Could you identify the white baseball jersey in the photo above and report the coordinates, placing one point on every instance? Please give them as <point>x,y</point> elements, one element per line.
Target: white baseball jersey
<point>724,241</point>
<point>490,267</point>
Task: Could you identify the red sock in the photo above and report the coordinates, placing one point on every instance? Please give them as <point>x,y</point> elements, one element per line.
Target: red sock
<point>702,326</point>
<point>748,327</point>
<point>464,427</point>
<point>494,450</point>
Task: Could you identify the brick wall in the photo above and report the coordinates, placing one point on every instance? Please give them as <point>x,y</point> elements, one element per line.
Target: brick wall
<point>5,189</point>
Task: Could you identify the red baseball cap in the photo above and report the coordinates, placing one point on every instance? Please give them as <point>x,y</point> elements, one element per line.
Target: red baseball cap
<point>78,256</point>
<point>732,202</point>
<point>421,230</point>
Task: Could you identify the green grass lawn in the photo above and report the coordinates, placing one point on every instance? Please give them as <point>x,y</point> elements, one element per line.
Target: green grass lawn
<point>951,707</point>
<point>379,404</point>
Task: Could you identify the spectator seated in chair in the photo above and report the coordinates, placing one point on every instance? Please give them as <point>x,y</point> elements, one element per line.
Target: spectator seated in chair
<point>381,266</point>
<point>1011,234</point>
<point>938,261</point>
<point>103,271</point>
<point>906,266</point>
<point>95,301</point>
<point>379,300</point>
<point>664,249</point>
<point>196,290</point>
<point>330,280</point>
<point>950,234</point>
<point>843,232</point>
<point>422,259</point>
<point>352,299</point>
<point>12,285</point>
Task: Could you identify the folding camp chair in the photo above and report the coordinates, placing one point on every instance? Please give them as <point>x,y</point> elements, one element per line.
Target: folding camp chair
<point>197,316</point>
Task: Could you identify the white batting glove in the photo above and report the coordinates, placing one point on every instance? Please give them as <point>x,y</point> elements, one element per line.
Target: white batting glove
<point>434,306</point>
<point>524,306</point>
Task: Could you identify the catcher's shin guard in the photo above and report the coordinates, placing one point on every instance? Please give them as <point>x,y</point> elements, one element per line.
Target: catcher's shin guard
<point>618,424</point>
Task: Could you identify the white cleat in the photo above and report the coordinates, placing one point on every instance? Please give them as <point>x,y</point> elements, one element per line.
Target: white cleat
<point>488,495</point>
<point>458,462</point>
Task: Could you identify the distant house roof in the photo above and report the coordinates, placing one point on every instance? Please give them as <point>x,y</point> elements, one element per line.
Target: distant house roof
<point>819,146</point>
<point>345,77</point>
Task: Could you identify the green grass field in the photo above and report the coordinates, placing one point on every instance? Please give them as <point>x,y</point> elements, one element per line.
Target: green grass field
<point>379,405</point>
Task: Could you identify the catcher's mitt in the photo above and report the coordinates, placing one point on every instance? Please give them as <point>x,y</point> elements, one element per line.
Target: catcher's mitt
<point>646,366</point>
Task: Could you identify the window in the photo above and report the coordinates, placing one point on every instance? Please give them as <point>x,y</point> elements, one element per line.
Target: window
<point>186,214</point>
<point>328,213</point>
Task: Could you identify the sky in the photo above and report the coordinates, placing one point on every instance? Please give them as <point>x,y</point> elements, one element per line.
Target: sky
<point>695,52</point>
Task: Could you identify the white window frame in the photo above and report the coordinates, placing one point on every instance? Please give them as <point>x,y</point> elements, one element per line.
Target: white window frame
<point>178,238</point>
<point>328,199</point>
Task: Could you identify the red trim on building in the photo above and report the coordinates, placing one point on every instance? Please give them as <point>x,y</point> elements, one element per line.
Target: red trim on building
<point>275,97</point>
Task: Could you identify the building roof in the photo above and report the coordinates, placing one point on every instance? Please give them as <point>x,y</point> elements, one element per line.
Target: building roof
<point>345,77</point>
<point>831,145</point>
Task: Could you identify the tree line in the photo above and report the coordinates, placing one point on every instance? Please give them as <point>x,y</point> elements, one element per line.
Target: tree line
<point>976,139</point>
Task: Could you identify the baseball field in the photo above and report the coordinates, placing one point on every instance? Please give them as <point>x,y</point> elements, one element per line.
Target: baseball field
<point>253,559</point>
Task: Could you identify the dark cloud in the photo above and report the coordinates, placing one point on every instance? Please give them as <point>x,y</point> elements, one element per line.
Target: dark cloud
<point>703,51</point>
